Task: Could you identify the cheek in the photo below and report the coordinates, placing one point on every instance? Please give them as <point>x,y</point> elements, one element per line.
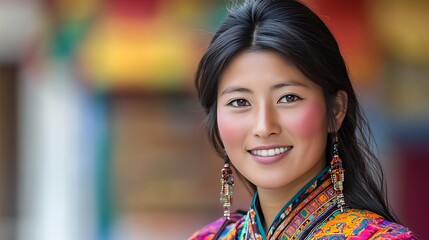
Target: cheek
<point>231,130</point>
<point>310,120</point>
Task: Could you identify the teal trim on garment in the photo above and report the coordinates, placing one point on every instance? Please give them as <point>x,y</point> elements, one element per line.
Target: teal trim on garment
<point>258,219</point>
<point>260,227</point>
<point>255,197</point>
<point>245,226</point>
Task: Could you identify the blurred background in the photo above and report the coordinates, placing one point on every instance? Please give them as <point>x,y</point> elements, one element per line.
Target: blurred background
<point>100,128</point>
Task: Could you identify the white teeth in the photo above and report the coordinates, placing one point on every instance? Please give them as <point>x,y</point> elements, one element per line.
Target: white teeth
<point>270,152</point>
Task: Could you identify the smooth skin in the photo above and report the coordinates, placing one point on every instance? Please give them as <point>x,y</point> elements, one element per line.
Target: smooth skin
<point>273,123</point>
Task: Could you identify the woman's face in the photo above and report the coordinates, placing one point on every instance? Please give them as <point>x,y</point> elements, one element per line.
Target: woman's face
<point>272,120</point>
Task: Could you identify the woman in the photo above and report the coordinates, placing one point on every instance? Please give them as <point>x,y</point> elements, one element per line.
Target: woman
<point>282,112</point>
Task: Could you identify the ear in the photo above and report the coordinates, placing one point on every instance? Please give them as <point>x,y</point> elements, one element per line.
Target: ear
<point>339,110</point>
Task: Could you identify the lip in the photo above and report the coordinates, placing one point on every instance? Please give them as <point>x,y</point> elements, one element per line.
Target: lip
<point>269,159</point>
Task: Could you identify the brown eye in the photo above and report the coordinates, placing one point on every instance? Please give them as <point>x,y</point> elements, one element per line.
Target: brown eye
<point>289,98</point>
<point>239,103</point>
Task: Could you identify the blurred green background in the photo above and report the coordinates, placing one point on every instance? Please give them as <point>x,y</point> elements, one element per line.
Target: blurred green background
<point>101,133</point>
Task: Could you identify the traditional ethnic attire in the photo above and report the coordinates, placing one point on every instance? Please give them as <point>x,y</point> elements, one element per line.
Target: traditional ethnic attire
<point>311,214</point>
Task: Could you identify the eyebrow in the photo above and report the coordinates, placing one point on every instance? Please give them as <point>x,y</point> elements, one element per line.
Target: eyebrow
<point>235,89</point>
<point>275,87</point>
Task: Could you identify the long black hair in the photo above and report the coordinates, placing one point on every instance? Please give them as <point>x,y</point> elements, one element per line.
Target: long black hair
<point>292,30</point>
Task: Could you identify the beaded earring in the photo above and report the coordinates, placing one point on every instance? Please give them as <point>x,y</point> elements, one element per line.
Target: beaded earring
<point>337,175</point>
<point>227,187</point>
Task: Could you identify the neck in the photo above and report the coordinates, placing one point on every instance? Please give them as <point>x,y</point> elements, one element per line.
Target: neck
<point>273,200</point>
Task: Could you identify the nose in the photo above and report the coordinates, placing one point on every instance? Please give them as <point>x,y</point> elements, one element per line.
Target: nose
<point>267,122</point>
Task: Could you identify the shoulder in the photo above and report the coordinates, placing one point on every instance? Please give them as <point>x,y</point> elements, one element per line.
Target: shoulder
<point>220,225</point>
<point>361,224</point>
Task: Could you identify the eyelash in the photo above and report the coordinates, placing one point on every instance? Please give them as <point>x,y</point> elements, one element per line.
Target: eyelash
<point>234,103</point>
<point>295,98</point>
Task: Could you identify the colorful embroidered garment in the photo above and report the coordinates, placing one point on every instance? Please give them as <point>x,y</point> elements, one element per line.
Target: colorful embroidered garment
<point>311,214</point>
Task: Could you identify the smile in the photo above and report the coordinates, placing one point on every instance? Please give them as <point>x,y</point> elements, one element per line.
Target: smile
<point>270,152</point>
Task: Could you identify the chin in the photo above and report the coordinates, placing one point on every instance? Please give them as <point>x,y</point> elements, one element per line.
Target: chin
<point>271,182</point>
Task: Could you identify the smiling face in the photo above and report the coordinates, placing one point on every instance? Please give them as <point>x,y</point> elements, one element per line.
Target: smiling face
<point>272,120</point>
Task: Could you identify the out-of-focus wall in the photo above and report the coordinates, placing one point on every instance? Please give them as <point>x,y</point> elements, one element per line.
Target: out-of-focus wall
<point>109,141</point>
<point>8,151</point>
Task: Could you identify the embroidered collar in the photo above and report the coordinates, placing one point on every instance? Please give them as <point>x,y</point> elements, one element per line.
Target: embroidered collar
<point>311,205</point>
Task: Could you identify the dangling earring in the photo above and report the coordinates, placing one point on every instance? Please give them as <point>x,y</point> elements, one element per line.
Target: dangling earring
<point>227,185</point>
<point>337,175</point>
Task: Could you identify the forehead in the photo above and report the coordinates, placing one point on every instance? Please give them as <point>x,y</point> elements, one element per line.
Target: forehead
<point>255,67</point>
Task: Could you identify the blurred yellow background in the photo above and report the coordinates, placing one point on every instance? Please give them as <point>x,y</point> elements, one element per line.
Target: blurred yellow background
<point>101,133</point>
